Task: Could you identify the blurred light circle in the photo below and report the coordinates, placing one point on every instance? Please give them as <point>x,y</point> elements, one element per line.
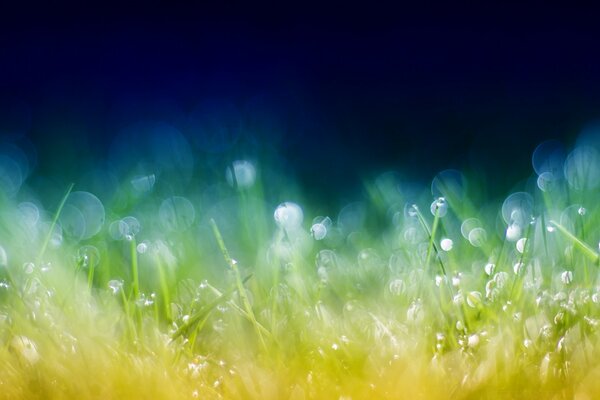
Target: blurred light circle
<point>546,181</point>
<point>517,208</point>
<point>176,213</point>
<point>29,213</point>
<point>241,174</point>
<point>11,176</point>
<point>582,168</point>
<point>82,216</point>
<point>548,157</point>
<point>116,229</point>
<point>468,225</point>
<point>352,217</point>
<point>477,237</point>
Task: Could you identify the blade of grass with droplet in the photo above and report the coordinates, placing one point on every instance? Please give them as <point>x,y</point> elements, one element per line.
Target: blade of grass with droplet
<point>54,221</point>
<point>202,314</point>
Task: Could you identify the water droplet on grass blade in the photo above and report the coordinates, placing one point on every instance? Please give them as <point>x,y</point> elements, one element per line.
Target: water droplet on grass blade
<point>489,269</point>
<point>513,232</point>
<point>88,256</point>
<point>115,285</point>
<point>176,213</point>
<point>521,243</point>
<point>566,277</point>
<point>439,207</point>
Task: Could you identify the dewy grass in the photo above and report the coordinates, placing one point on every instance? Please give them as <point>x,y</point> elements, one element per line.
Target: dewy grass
<point>372,307</point>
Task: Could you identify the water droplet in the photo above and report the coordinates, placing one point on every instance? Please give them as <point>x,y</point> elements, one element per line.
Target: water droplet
<point>518,267</point>
<point>288,215</point>
<point>142,247</point>
<point>566,277</point>
<point>581,211</point>
<point>115,285</point>
<point>521,243</point>
<point>489,269</point>
<point>513,232</point>
<point>176,213</point>
<point>88,256</point>
<point>550,228</point>
<point>473,299</point>
<point>28,268</point>
<point>439,207</point>
<point>412,210</point>
<point>473,341</point>
<point>241,174</point>
<point>318,231</point>
<point>446,244</point>
<point>456,279</point>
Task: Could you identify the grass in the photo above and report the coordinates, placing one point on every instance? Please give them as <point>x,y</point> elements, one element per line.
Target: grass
<point>234,299</point>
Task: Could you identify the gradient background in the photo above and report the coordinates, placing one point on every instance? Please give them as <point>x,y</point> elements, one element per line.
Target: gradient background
<point>344,92</point>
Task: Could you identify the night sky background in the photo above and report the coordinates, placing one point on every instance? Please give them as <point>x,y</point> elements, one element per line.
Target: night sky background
<point>344,92</point>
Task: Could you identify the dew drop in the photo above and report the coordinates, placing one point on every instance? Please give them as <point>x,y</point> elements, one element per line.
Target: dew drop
<point>115,285</point>
<point>566,277</point>
<point>439,207</point>
<point>446,244</point>
<point>521,243</point>
<point>88,256</point>
<point>288,215</point>
<point>318,231</point>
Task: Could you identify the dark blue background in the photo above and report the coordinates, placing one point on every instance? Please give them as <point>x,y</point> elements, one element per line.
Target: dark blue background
<point>359,90</point>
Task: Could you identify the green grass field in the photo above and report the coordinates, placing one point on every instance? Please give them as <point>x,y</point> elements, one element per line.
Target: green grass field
<point>407,293</point>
